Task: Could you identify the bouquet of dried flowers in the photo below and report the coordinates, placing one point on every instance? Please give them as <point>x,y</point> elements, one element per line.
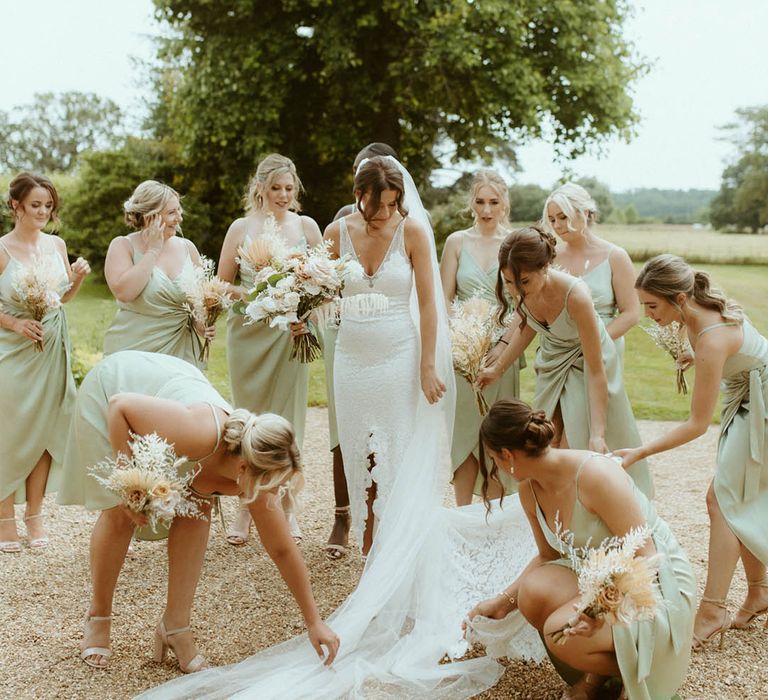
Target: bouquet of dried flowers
<point>147,482</point>
<point>207,297</point>
<point>38,288</point>
<point>268,250</point>
<point>472,329</point>
<point>674,340</point>
<point>614,584</point>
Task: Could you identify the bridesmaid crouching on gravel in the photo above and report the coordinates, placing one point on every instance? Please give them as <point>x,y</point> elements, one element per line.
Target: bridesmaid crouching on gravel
<point>593,498</point>
<point>235,452</point>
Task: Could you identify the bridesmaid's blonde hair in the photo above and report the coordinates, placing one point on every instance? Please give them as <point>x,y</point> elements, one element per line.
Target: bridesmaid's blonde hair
<point>267,442</point>
<point>574,201</point>
<point>667,276</point>
<point>488,178</point>
<point>267,171</point>
<point>148,199</point>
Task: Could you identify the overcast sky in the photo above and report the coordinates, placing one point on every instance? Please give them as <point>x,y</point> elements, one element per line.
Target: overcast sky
<point>708,58</point>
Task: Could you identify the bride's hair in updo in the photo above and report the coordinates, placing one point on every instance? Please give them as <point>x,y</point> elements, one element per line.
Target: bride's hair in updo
<point>513,424</point>
<point>526,249</point>
<point>372,178</point>
<point>267,171</point>
<point>667,276</point>
<point>148,199</point>
<point>574,201</point>
<point>267,442</point>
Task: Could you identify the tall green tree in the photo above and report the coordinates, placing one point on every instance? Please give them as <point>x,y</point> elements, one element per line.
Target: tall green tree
<point>49,134</point>
<point>742,202</point>
<point>318,79</point>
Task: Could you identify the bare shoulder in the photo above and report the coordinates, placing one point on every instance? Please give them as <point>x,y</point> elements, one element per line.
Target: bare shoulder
<point>236,229</point>
<point>311,230</point>
<point>414,231</point>
<point>618,257</point>
<point>332,231</point>
<point>601,478</point>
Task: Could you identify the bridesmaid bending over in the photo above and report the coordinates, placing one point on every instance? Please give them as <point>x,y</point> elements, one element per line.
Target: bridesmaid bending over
<point>235,452</point>
<point>728,349</point>
<point>571,213</point>
<point>469,267</point>
<point>38,389</point>
<point>593,498</point>
<point>579,382</point>
<point>262,376</point>
<point>142,270</point>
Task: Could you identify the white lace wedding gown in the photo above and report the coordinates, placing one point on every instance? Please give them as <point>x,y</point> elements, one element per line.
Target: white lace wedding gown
<point>428,566</point>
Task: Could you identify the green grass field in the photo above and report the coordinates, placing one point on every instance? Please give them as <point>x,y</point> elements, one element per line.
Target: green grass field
<point>649,372</point>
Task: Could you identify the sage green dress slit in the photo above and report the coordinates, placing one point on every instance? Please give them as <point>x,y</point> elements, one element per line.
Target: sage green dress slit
<point>473,281</point>
<point>653,655</point>
<point>151,374</point>
<point>741,473</point>
<point>262,376</point>
<point>38,390</point>
<point>157,320</point>
<point>561,380</point>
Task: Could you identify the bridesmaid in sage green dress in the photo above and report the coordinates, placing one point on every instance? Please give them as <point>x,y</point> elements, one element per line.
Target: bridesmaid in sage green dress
<point>142,270</point>
<point>38,389</point>
<point>579,380</point>
<point>728,349</point>
<point>590,496</point>
<point>469,268</point>
<point>570,213</point>
<point>262,376</point>
<point>233,452</point>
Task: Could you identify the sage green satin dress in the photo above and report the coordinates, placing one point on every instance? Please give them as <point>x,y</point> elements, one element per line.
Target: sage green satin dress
<point>741,474</point>
<point>148,373</point>
<point>157,320</point>
<point>472,280</point>
<point>561,379</point>
<point>600,282</point>
<point>38,390</point>
<point>262,376</point>
<point>653,655</point>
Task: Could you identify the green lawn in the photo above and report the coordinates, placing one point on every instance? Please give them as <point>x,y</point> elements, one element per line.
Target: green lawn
<point>649,372</point>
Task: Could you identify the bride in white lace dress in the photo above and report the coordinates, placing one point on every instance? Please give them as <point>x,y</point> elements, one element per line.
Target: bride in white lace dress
<point>427,565</point>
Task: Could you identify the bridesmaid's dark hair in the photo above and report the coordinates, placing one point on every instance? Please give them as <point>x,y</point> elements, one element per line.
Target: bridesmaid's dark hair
<point>371,150</point>
<point>373,177</point>
<point>667,276</point>
<point>513,424</point>
<point>22,185</point>
<point>526,249</point>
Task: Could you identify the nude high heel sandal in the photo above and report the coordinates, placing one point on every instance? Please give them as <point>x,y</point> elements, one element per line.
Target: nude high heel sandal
<point>9,546</point>
<point>700,642</point>
<point>753,614</point>
<point>163,643</point>
<point>37,542</point>
<point>88,652</point>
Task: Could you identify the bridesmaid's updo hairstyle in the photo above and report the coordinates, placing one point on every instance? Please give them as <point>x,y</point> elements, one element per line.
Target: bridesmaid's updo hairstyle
<point>668,276</point>
<point>267,443</point>
<point>513,424</point>
<point>575,202</point>
<point>528,249</point>
<point>268,170</point>
<point>374,176</point>
<point>492,179</point>
<point>148,199</point>
<point>21,186</point>
<point>371,150</point>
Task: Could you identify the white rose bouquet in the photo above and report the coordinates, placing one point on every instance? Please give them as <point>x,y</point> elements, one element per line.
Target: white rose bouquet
<point>147,482</point>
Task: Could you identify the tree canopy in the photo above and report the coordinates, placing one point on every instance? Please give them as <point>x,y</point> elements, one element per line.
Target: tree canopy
<point>742,201</point>
<point>49,134</point>
<point>316,80</point>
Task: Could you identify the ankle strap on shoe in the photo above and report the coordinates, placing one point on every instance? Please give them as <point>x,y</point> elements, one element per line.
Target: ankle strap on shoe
<point>6,520</point>
<point>341,510</point>
<point>33,517</point>
<point>718,602</point>
<point>762,583</point>
<point>97,618</point>
<point>170,633</point>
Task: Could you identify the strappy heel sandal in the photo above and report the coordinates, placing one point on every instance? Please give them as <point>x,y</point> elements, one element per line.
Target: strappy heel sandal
<point>163,644</point>
<point>337,551</point>
<point>88,652</point>
<point>240,531</point>
<point>753,614</point>
<point>9,546</point>
<point>700,642</point>
<point>36,542</point>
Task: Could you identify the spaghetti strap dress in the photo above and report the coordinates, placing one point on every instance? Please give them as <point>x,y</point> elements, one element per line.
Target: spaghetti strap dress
<point>561,380</point>
<point>600,282</point>
<point>472,280</point>
<point>741,472</point>
<point>38,390</point>
<point>653,655</point>
<point>157,320</point>
<point>263,377</point>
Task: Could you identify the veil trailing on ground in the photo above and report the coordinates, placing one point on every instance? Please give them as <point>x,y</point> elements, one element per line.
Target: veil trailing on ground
<point>428,566</point>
